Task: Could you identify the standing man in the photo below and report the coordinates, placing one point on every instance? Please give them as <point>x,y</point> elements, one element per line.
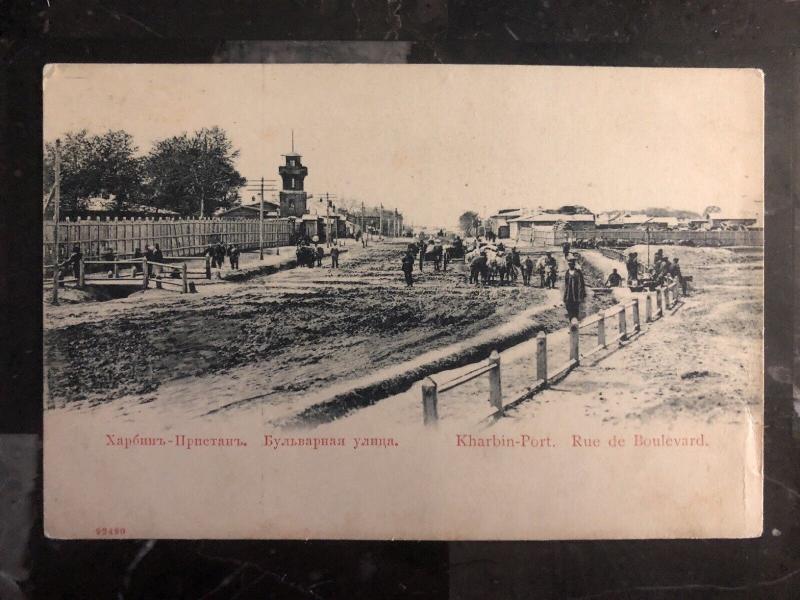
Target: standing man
<point>320,254</point>
<point>676,273</point>
<point>574,290</point>
<point>334,257</point>
<point>516,262</point>
<point>632,264</point>
<point>408,268</point>
<point>566,248</point>
<point>422,248</point>
<point>233,253</point>
<point>527,270</point>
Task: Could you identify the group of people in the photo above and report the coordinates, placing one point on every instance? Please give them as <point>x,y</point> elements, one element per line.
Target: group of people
<point>311,256</point>
<point>218,251</point>
<point>663,270</point>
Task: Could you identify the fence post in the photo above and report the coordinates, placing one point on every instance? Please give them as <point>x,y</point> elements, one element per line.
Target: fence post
<point>430,413</point>
<point>541,356</point>
<point>208,267</point>
<point>574,348</point>
<point>636,325</point>
<point>623,325</point>
<point>648,308</point>
<point>116,270</point>
<point>665,300</point>
<point>601,331</point>
<point>184,276</point>
<point>495,390</point>
<point>81,273</point>
<point>145,274</point>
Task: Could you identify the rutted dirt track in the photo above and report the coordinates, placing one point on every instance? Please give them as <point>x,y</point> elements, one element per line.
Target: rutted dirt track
<point>278,336</point>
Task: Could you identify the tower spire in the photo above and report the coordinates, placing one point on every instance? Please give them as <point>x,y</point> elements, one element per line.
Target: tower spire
<point>292,140</point>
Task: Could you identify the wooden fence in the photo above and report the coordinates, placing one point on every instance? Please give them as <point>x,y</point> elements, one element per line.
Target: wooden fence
<point>543,238</point>
<point>665,298</point>
<point>753,237</point>
<point>176,237</point>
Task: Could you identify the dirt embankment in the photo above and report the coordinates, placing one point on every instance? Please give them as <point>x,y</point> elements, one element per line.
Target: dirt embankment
<point>306,328</point>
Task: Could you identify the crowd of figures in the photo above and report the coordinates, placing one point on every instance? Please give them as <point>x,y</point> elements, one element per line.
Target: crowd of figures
<point>311,256</point>
<point>663,272</point>
<point>218,251</point>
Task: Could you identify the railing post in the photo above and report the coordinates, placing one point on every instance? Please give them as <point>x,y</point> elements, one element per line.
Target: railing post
<point>116,270</point>
<point>601,331</point>
<point>495,390</point>
<point>81,273</point>
<point>185,277</point>
<point>648,308</point>
<point>158,282</point>
<point>623,325</point>
<point>145,274</point>
<point>664,301</point>
<point>636,325</point>
<point>430,413</point>
<point>541,356</point>
<point>574,348</point>
<point>659,304</point>
<point>208,267</point>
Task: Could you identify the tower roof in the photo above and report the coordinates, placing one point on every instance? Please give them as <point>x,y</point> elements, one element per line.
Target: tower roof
<point>294,154</point>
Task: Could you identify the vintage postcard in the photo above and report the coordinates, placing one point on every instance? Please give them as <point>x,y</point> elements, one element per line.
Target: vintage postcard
<point>402,302</point>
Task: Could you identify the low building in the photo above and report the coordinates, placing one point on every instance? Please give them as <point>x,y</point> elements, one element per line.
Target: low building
<point>249,211</point>
<point>731,221</point>
<point>499,222</point>
<point>530,226</point>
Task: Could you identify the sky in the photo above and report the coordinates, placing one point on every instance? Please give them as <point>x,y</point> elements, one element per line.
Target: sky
<point>436,140</point>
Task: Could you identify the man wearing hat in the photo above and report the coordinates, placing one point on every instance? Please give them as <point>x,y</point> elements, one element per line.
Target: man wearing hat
<point>632,264</point>
<point>574,289</point>
<point>676,273</point>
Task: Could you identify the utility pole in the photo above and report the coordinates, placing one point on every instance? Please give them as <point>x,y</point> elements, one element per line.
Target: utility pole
<point>380,222</point>
<point>260,186</point>
<point>56,216</point>
<point>261,223</point>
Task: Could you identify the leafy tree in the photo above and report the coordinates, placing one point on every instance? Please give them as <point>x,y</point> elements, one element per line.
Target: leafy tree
<point>193,174</point>
<point>711,209</point>
<point>95,165</point>
<point>469,222</point>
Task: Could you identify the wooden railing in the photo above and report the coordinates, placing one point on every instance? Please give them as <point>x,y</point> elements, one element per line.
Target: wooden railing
<point>665,298</point>
<point>135,263</point>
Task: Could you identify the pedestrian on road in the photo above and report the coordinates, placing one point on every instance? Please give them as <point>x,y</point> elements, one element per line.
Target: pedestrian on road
<point>422,249</point>
<point>574,290</point>
<point>211,253</point>
<point>219,250</point>
<point>632,264</point>
<point>158,257</point>
<point>137,254</point>
<point>527,271</point>
<point>233,253</point>
<point>74,261</point>
<point>148,254</point>
<point>676,273</point>
<point>320,254</point>
<point>565,247</point>
<point>334,258</point>
<point>408,268</point>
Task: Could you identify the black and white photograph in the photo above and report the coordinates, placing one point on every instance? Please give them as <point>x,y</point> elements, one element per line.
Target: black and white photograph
<point>355,290</point>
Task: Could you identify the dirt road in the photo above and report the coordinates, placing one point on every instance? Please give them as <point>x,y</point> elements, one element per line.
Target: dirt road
<point>277,337</point>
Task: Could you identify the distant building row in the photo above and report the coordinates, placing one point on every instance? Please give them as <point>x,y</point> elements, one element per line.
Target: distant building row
<point>519,223</point>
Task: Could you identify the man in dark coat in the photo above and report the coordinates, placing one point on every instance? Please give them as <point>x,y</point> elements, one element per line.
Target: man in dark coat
<point>527,270</point>
<point>137,253</point>
<point>408,268</point>
<point>632,264</point>
<point>574,290</point>
<point>676,273</point>
<point>566,248</point>
<point>423,247</point>
<point>220,253</point>
<point>320,254</point>
<point>614,280</point>
<point>334,257</point>
<point>233,253</point>
<point>74,261</point>
<point>211,252</point>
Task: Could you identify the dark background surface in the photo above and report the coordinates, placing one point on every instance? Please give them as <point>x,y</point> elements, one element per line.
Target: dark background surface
<point>763,34</point>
